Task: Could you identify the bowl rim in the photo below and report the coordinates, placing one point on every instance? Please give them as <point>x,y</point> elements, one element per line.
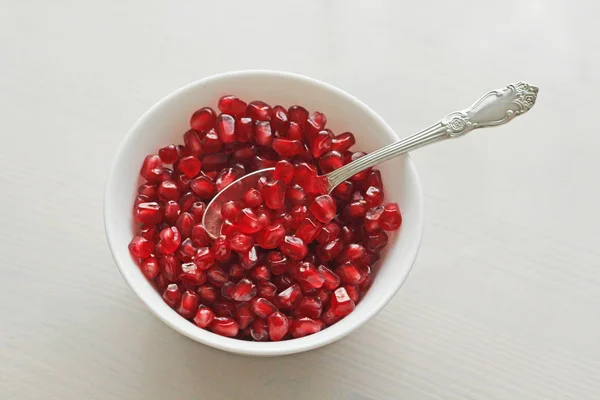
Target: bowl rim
<point>248,347</point>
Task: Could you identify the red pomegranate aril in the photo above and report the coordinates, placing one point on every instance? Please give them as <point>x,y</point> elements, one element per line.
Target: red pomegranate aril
<point>343,142</point>
<point>203,119</point>
<point>330,250</point>
<point>232,105</point>
<point>208,293</point>
<point>211,142</point>
<point>191,275</point>
<point>225,128</point>
<point>352,252</point>
<point>263,134</point>
<point>220,249</point>
<point>214,161</point>
<point>189,166</point>
<point>189,304</point>
<point>278,325</point>
<point>244,132</point>
<point>277,262</point>
<point>372,219</point>
<point>150,268</point>
<point>168,154</point>
<point>193,144</point>
<point>284,171</point>
<point>216,276</point>
<point>185,224</point>
<point>247,221</point>
<point>341,303</point>
<point>366,284</point>
<point>252,198</point>
<point>280,120</point>
<point>373,196</point>
<point>236,272</point>
<point>356,209</point>
<point>240,242</point>
<point>244,290</point>
<point>203,187</point>
<point>199,235</point>
<point>323,208</point>
<point>295,195</point>
<point>224,326</point>
<point>171,211</point>
<point>224,307</point>
<point>262,307</point>
<point>308,274</point>
<point>264,215</point>
<point>149,213</point>
<point>295,132</point>
<point>298,213</point>
<point>287,298</point>
<point>197,210</point>
<point>141,247</point>
<point>304,175</point>
<point>293,247</point>
<point>273,194</point>
<point>307,230</point>
<point>172,295</point>
<point>148,190</point>
<point>390,219</point>
<point>349,274</point>
<point>187,200</point>
<point>204,258</point>
<point>284,280</point>
<point>271,236</point>
<point>230,210</point>
<point>320,144</point>
<point>244,315</point>
<point>151,169</point>
<point>204,316</point>
<point>353,292</point>
<point>170,238</point>
<point>304,326</point>
<point>268,290</point>
<point>328,232</point>
<point>310,306</point>
<point>149,232</point>
<point>168,190</point>
<point>376,241</point>
<point>259,111</point>
<point>374,179</point>
<point>298,114</point>
<point>170,267</point>
<point>226,177</point>
<point>186,251</point>
<point>228,228</point>
<point>332,280</point>
<point>316,122</point>
<point>343,190</point>
<point>363,174</point>
<point>287,147</point>
<point>260,273</point>
<point>259,330</point>
<point>330,161</point>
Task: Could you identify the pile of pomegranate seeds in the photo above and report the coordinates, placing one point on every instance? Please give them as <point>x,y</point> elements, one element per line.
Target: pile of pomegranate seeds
<point>292,259</point>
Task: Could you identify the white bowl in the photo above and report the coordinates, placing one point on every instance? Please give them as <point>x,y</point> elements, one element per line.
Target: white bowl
<point>165,123</point>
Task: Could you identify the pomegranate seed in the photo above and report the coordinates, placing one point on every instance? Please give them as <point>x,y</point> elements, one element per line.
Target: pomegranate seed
<point>260,274</point>
<point>329,250</point>
<point>214,161</point>
<point>170,239</point>
<point>224,308</point>
<point>323,208</point>
<point>189,166</point>
<point>349,274</point>
<point>149,268</point>
<point>247,221</point>
<point>252,198</point>
<point>172,295</point>
<point>324,295</point>
<point>304,326</point>
<point>171,212</point>
<point>277,262</point>
<point>316,122</point>
<point>204,316</point>
<point>374,179</point>
<point>310,307</point>
<point>363,174</point>
<point>199,236</point>
<point>288,297</point>
<point>343,142</point>
<point>332,281</point>
<point>216,276</point>
<point>244,132</point>
<point>141,247</point>
<point>244,290</point>
<point>186,251</point>
<point>356,209</point>
<point>308,274</point>
<point>203,258</point>
<point>189,304</point>
<point>185,224</point>
<point>295,132</point>
<point>211,142</point>
<point>226,177</point>
<point>353,292</point>
<point>307,230</point>
<point>197,210</point>
<point>343,190</point>
<point>244,315</point>
<point>149,232</point>
<point>168,190</point>
<point>373,196</point>
<point>271,236</point>
<point>220,249</point>
<point>187,200</point>
<point>228,228</point>
<point>191,275</point>
<point>366,285</point>
<point>230,210</point>
<point>262,307</point>
<point>193,145</point>
<point>390,218</point>
<point>267,290</point>
<point>240,242</point>
<point>320,144</point>
<point>152,169</point>
<point>352,252</point>
<point>170,266</point>
<point>236,272</point>
<point>273,194</point>
<point>328,232</point>
<point>287,147</point>
<point>259,111</point>
<point>208,293</point>
<point>259,330</point>
<point>265,216</point>
<point>262,133</point>
<point>376,241</point>
<point>330,161</point>
<point>284,281</point>
<point>280,119</point>
<point>224,326</point>
<point>293,247</point>
<point>148,190</point>
<point>278,325</point>
<point>249,258</point>
<point>284,171</point>
<point>168,154</point>
<point>341,303</point>
<point>298,114</point>
<point>225,128</point>
<point>203,187</point>
<point>148,213</point>
<point>232,105</point>
<point>372,219</point>
<point>203,119</point>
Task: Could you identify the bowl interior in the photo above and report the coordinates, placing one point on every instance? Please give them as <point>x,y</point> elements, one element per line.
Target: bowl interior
<point>169,119</point>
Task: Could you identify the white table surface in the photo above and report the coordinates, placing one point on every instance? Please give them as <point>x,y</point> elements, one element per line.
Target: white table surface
<point>503,300</point>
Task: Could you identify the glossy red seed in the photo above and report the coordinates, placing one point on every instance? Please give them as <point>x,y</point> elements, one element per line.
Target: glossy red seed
<point>271,236</point>
<point>320,143</point>
<point>295,195</point>
<point>304,326</point>
<point>356,209</point>
<point>211,143</point>
<point>277,262</point>
<point>280,119</point>
<point>189,166</point>
<point>330,161</point>
<point>216,276</point>
<point>150,268</point>
<point>267,290</point>
<point>191,275</point>
<point>230,210</point>
<point>259,111</point>
<point>288,297</point>
<point>168,154</point>
<point>307,274</point>
<point>193,145</point>
<point>228,228</point>
<point>328,251</point>
<point>349,274</point>
<point>225,128</point>
<point>390,219</point>
<point>328,232</point>
<point>171,211</point>
<point>295,132</point>
<point>341,303</point>
<point>372,219</point>
<point>262,307</point>
<point>204,258</point>
<point>149,232</point>
<point>263,134</point>
<point>332,280</point>
<point>352,252</point>
<point>203,119</point>
<point>284,171</point>
<point>185,224</point>
<point>170,238</point>
<point>343,142</point>
<point>252,198</point>
<point>247,221</point>
<point>170,267</point>
<point>293,247</point>
<point>244,132</point>
<point>186,251</point>
<point>208,293</point>
<point>273,194</point>
<point>204,316</point>
<point>214,161</point>
<point>260,273</point>
<point>248,258</point>
<point>316,122</point>
<point>373,196</point>
<point>148,213</point>
<point>220,249</point>
<point>240,242</point>
<point>244,315</point>
<point>376,241</point>
<point>141,247</point>
<point>226,177</point>
<point>189,304</point>
<point>199,236</point>
<point>323,208</point>
<point>203,187</point>
<point>197,210</point>
<point>287,147</point>
<point>363,174</point>
<point>310,306</point>
<point>244,290</point>
<point>187,200</point>
<point>343,190</point>
<point>152,169</point>
<point>259,330</point>
<point>224,326</point>
<point>353,292</point>
<point>224,307</point>
<point>236,272</point>
<point>307,230</point>
<point>168,190</point>
<point>298,213</point>
<point>298,114</point>
<point>278,325</point>
<point>374,179</point>
<point>172,295</point>
<point>148,190</point>
<point>232,105</point>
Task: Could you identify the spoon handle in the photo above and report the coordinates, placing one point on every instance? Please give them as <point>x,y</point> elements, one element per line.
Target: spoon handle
<point>494,108</point>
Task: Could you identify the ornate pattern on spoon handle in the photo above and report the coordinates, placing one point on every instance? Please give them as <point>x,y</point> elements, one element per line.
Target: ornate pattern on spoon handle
<point>493,109</point>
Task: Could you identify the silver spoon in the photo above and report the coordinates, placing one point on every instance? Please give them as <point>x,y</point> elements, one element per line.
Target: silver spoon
<point>494,108</point>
